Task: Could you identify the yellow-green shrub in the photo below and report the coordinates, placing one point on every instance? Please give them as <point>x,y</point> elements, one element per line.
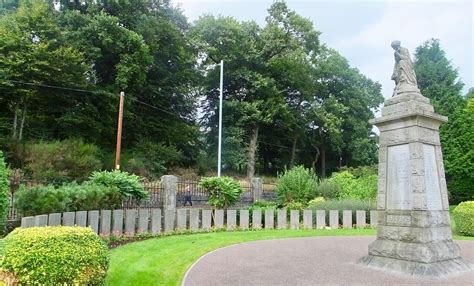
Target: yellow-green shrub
<point>316,200</point>
<point>56,256</point>
<point>464,218</point>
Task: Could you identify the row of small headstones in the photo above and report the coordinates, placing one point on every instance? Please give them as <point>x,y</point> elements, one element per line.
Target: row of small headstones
<point>120,222</point>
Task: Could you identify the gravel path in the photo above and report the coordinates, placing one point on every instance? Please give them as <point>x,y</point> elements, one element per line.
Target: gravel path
<point>306,261</point>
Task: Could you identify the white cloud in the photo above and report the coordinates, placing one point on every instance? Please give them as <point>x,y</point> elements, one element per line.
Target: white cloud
<point>368,49</point>
<point>412,24</point>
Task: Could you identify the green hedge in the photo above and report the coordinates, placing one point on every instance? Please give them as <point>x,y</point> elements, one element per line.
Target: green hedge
<point>463,216</point>
<point>56,256</point>
<point>68,197</point>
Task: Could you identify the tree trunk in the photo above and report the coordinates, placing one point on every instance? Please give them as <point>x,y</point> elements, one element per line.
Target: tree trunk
<point>251,154</point>
<point>22,124</point>
<point>316,157</point>
<point>15,122</point>
<point>323,162</point>
<point>293,152</point>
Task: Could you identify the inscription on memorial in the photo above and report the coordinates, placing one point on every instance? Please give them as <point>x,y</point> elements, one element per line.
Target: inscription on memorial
<point>433,190</point>
<point>399,194</point>
<point>404,220</point>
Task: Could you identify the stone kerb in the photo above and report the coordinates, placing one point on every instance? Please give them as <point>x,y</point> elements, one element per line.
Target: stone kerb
<point>155,221</point>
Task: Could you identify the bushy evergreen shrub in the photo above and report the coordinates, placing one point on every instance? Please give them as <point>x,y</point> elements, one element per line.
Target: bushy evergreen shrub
<point>297,185</point>
<point>56,256</point>
<point>223,191</point>
<point>463,216</point>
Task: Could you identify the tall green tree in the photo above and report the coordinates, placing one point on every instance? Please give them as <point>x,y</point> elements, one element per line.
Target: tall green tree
<point>344,101</point>
<point>437,78</point>
<point>459,152</point>
<point>34,55</point>
<point>102,48</point>
<point>439,81</point>
<point>248,51</point>
<point>161,97</point>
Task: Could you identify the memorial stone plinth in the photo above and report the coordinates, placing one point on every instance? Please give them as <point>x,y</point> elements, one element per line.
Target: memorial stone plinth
<point>413,232</point>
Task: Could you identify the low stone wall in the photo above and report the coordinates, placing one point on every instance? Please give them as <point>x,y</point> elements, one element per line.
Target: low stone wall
<point>154,221</point>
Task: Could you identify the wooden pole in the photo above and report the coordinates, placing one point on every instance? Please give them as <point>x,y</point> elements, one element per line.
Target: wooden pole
<point>119,132</point>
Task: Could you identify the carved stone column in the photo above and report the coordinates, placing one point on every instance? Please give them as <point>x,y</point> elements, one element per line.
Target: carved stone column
<point>413,232</point>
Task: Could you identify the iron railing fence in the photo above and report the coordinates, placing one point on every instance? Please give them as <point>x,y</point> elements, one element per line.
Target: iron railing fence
<point>199,196</point>
<point>154,200</point>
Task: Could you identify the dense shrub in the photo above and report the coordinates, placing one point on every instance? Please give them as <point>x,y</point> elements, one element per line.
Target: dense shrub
<point>316,201</point>
<point>150,159</point>
<point>223,191</point>
<point>464,218</point>
<point>56,256</point>
<point>328,189</point>
<point>297,185</point>
<point>3,190</point>
<point>460,187</point>
<point>361,171</point>
<point>355,188</point>
<point>68,197</point>
<point>66,160</point>
<point>295,206</point>
<point>41,200</point>
<point>127,184</point>
<point>89,196</point>
<point>262,205</point>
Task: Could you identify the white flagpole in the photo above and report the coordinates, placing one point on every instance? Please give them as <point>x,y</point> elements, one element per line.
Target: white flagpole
<point>219,151</point>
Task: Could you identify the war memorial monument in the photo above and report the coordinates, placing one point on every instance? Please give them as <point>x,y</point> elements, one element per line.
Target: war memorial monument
<point>414,230</point>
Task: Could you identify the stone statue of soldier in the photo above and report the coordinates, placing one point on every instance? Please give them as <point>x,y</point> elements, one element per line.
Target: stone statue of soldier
<point>403,71</point>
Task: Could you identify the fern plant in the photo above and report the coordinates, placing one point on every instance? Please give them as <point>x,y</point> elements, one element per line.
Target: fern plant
<point>223,191</point>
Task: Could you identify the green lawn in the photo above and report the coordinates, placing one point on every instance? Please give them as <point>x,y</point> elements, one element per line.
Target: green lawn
<point>165,260</point>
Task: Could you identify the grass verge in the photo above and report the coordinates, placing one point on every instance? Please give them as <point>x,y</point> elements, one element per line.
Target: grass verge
<point>164,261</point>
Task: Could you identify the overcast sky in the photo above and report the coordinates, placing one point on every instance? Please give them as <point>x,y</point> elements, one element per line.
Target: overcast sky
<point>363,30</point>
